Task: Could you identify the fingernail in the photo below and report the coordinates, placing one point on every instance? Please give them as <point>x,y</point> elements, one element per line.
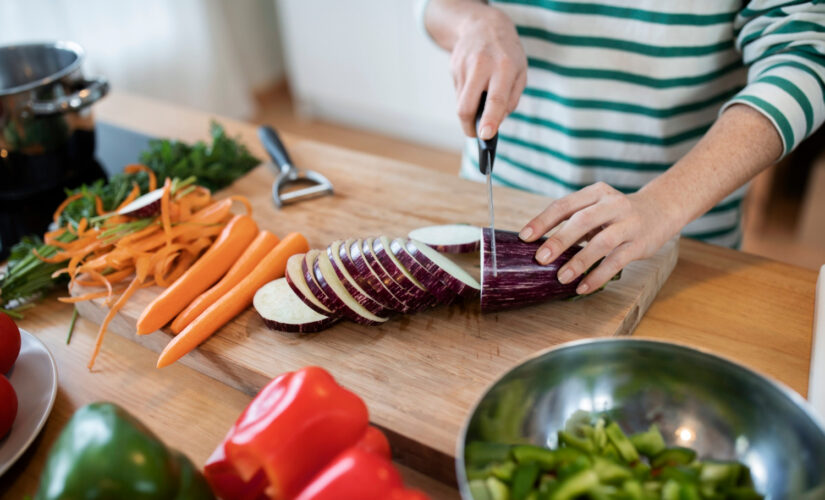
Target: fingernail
<point>543,256</point>
<point>486,132</point>
<point>525,233</point>
<point>565,276</point>
<point>582,289</point>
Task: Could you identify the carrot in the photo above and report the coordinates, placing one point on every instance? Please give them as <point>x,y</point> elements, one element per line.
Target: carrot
<point>81,298</point>
<point>65,203</point>
<point>112,278</point>
<point>231,243</point>
<point>132,196</point>
<point>141,271</point>
<point>99,206</point>
<point>184,260</point>
<point>256,251</point>
<point>136,167</point>
<point>165,217</point>
<point>233,302</point>
<point>83,225</point>
<point>244,201</point>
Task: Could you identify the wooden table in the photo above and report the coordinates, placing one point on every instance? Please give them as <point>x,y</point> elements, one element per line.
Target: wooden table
<point>749,309</point>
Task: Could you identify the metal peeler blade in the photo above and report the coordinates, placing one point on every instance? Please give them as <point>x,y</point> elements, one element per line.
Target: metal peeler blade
<point>289,175</point>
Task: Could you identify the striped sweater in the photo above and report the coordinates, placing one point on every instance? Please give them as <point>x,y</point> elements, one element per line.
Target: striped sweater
<point>619,90</point>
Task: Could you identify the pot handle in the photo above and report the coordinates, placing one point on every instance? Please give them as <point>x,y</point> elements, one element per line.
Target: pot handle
<point>92,90</point>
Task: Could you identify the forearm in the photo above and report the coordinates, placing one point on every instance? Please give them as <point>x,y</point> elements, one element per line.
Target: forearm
<point>738,146</point>
<point>445,19</point>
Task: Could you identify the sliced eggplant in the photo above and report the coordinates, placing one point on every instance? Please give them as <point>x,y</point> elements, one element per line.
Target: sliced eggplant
<point>449,238</point>
<point>447,271</point>
<point>383,252</point>
<point>147,205</point>
<point>370,303</point>
<point>350,308</point>
<point>297,281</point>
<point>519,279</point>
<point>417,298</point>
<point>365,265</point>
<point>367,278</point>
<point>441,291</point>
<point>308,268</point>
<point>281,309</point>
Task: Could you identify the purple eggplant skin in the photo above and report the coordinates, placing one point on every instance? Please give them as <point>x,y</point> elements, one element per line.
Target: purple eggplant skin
<point>314,327</point>
<point>456,285</point>
<point>368,302</point>
<point>290,281</point>
<point>361,270</point>
<point>422,298</point>
<point>341,306</point>
<point>364,255</point>
<point>331,303</point>
<point>519,279</point>
<point>442,292</point>
<point>150,210</point>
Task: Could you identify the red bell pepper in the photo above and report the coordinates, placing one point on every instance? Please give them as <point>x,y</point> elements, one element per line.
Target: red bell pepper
<point>374,441</point>
<point>408,495</point>
<point>293,428</point>
<point>305,437</point>
<point>358,474</point>
<point>355,474</point>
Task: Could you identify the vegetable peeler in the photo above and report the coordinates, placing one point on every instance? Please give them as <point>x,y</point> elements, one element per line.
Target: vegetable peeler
<point>289,175</point>
<point>486,157</point>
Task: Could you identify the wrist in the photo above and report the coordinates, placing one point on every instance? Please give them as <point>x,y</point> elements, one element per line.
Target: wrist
<point>480,17</point>
<point>664,206</point>
<point>448,20</point>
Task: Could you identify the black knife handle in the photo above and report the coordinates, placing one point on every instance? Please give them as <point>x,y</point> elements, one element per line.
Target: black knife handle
<point>486,147</point>
<point>276,149</point>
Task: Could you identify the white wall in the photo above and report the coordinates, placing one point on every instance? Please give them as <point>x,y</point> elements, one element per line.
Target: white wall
<point>207,54</point>
<point>367,63</point>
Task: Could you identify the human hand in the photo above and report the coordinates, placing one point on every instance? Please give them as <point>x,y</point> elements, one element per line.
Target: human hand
<point>619,227</point>
<point>487,55</point>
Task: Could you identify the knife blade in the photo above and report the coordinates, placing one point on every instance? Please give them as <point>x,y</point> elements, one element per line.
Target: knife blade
<point>492,218</point>
<point>486,158</point>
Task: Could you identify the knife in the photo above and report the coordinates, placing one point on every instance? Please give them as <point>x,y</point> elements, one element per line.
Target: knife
<point>486,157</point>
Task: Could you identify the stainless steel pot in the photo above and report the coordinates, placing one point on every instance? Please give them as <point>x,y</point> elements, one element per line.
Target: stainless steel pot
<point>46,132</point>
<point>41,84</point>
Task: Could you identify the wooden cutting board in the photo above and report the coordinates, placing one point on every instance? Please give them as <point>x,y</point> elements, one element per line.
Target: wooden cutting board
<point>420,375</point>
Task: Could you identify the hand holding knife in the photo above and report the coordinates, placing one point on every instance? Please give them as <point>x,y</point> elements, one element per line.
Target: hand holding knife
<point>486,158</point>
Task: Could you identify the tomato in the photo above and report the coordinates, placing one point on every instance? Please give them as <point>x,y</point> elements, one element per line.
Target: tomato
<point>8,405</point>
<point>9,342</point>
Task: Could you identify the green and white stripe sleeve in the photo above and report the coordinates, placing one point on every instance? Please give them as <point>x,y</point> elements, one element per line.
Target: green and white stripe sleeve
<point>783,42</point>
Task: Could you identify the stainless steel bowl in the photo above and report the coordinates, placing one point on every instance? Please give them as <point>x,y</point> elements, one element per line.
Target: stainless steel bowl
<point>719,408</point>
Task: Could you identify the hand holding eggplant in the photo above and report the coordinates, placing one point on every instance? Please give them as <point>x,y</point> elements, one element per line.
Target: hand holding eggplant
<point>619,228</point>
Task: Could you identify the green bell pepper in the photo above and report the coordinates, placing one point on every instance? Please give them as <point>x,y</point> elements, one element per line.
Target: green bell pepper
<point>106,453</point>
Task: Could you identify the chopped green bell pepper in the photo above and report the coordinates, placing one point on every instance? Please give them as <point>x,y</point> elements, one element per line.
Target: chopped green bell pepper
<point>649,443</point>
<point>621,442</point>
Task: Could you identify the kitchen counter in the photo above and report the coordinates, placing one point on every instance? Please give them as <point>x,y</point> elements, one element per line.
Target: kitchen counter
<point>743,307</point>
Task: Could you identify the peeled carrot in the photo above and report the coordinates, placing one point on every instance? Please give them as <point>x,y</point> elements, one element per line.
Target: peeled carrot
<point>141,273</point>
<point>132,196</point>
<point>233,302</point>
<point>230,244</point>
<point>265,242</point>
<point>165,217</point>
<point>65,203</point>
<point>136,167</point>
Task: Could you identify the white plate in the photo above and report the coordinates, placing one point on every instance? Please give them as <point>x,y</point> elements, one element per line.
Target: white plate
<point>34,378</point>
